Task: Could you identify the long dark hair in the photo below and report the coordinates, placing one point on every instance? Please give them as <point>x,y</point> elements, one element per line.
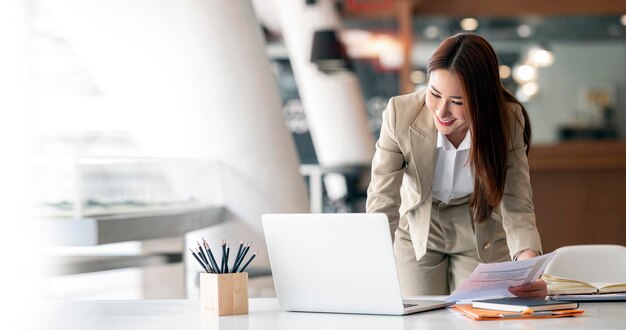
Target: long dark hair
<point>473,59</point>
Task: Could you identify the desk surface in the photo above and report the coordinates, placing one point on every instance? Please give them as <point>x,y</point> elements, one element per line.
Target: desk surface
<point>265,314</point>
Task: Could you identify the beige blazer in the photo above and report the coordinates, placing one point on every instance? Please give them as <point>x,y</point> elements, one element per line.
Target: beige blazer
<point>402,175</point>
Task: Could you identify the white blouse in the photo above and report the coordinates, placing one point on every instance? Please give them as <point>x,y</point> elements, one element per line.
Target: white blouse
<point>453,176</point>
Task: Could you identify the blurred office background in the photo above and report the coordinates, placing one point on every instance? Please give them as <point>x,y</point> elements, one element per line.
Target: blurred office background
<point>153,124</point>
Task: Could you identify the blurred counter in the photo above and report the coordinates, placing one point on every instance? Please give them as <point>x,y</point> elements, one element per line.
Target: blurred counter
<point>579,192</point>
<point>131,227</point>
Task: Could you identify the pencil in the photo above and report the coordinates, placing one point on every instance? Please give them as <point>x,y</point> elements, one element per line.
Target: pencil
<point>206,263</point>
<point>226,261</point>
<point>206,252</point>
<point>202,254</point>
<point>223,255</point>
<point>243,255</point>
<point>208,249</point>
<point>250,260</point>
<point>199,261</point>
<point>237,256</point>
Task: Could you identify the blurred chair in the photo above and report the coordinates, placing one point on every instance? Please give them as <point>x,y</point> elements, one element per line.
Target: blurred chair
<point>589,263</point>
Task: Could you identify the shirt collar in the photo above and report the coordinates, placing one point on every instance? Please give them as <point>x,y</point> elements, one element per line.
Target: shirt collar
<point>442,142</point>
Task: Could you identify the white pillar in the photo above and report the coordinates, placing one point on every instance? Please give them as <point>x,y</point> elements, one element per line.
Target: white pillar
<point>199,68</point>
<point>333,103</point>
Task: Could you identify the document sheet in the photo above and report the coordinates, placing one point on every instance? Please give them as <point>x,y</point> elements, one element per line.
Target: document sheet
<point>493,280</point>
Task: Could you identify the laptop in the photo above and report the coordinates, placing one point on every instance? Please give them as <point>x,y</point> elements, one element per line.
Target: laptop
<point>338,263</point>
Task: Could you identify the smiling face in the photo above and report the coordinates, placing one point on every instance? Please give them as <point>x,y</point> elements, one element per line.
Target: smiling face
<point>446,99</point>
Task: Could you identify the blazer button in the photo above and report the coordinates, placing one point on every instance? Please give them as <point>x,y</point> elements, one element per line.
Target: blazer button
<point>486,246</point>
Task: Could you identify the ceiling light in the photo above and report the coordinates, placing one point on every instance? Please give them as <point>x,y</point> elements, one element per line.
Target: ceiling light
<point>418,77</point>
<point>354,36</point>
<point>431,32</point>
<point>541,57</point>
<point>524,73</point>
<point>388,49</point>
<point>530,88</point>
<point>505,71</point>
<point>524,31</point>
<point>469,24</point>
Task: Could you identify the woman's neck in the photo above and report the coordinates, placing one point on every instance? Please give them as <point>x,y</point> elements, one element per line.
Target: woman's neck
<point>456,138</point>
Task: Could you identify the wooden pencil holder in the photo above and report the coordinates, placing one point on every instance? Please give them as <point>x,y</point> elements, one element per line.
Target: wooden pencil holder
<point>224,294</point>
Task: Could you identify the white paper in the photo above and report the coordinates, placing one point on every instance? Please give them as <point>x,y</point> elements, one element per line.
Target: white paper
<point>493,280</point>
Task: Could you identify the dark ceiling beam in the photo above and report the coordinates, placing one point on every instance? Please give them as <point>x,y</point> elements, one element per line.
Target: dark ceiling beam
<point>501,8</point>
<point>519,8</point>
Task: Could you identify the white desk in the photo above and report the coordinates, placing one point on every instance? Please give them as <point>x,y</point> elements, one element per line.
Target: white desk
<point>265,314</point>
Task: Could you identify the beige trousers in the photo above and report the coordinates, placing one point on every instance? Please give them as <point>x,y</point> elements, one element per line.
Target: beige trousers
<point>451,252</point>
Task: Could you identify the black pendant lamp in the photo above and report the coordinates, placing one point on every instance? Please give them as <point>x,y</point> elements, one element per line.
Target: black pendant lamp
<point>328,53</point>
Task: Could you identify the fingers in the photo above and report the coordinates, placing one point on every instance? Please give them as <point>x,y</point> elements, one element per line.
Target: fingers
<point>537,289</point>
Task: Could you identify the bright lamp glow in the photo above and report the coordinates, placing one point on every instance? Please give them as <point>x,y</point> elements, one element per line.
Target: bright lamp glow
<point>469,24</point>
<point>541,57</point>
<point>355,36</point>
<point>530,88</point>
<point>524,31</point>
<point>524,73</point>
<point>505,71</point>
<point>418,77</point>
<point>431,32</point>
<point>389,51</point>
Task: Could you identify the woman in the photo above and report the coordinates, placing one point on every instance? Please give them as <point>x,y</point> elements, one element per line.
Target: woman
<point>451,173</point>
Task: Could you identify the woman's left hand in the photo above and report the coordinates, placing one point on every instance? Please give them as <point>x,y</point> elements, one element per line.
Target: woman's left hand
<point>536,289</point>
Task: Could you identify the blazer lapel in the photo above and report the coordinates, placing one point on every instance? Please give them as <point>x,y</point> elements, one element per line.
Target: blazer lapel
<point>423,135</point>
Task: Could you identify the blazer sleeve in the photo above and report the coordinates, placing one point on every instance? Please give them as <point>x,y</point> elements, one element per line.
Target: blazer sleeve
<point>388,164</point>
<point>518,214</point>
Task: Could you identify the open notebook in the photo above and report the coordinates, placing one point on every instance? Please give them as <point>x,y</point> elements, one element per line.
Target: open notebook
<point>560,285</point>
